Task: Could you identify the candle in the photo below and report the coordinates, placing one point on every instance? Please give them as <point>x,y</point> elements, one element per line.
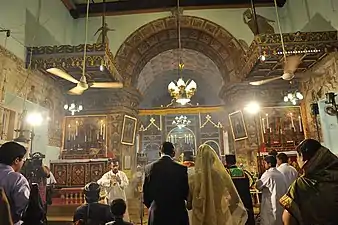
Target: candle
<point>267,121</point>
<point>263,123</point>
<point>175,138</point>
<point>85,138</point>
<point>69,133</point>
<point>300,124</point>
<point>292,124</point>
<point>76,127</point>
<point>101,128</point>
<point>104,131</point>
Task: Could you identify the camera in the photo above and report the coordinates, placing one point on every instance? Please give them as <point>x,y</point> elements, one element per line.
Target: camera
<point>33,168</point>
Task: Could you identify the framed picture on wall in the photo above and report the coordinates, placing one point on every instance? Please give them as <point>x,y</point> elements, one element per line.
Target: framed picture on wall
<point>238,126</point>
<point>128,130</point>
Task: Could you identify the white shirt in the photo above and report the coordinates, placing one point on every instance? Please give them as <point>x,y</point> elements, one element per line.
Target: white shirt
<point>273,187</point>
<point>117,190</point>
<point>289,172</point>
<point>51,179</point>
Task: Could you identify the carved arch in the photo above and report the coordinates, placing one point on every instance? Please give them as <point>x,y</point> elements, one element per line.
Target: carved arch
<point>197,34</point>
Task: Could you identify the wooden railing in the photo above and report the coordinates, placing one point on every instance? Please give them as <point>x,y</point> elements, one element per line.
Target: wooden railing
<point>69,196</point>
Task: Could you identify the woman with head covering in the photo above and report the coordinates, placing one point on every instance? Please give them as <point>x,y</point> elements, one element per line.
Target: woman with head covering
<point>313,197</point>
<point>5,213</point>
<point>214,198</point>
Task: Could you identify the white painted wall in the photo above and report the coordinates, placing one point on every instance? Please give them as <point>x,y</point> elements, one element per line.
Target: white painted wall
<point>230,19</point>
<point>321,14</point>
<point>55,27</point>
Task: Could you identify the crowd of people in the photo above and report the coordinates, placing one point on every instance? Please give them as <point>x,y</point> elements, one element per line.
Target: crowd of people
<point>201,191</point>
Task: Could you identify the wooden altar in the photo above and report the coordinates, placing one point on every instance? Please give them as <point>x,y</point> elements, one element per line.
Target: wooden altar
<point>79,172</point>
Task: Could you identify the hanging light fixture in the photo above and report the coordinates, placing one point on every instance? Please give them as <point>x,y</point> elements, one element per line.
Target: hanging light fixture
<point>180,90</point>
<point>293,97</point>
<point>181,121</point>
<point>73,108</point>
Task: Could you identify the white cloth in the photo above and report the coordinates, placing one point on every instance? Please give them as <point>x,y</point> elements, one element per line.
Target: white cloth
<point>273,187</point>
<point>51,179</point>
<point>289,172</point>
<point>191,172</point>
<point>116,190</point>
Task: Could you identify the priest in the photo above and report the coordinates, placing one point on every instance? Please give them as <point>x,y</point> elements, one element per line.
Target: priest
<point>115,182</point>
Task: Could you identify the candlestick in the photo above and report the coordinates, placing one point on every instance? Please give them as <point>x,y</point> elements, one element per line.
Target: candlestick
<point>263,123</point>
<point>300,124</point>
<point>292,124</point>
<point>267,121</point>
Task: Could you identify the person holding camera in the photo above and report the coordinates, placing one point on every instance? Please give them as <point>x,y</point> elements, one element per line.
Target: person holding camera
<point>14,184</point>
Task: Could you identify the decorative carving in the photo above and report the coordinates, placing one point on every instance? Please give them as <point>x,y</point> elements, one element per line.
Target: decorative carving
<point>262,25</point>
<point>295,43</point>
<point>103,37</point>
<point>161,35</point>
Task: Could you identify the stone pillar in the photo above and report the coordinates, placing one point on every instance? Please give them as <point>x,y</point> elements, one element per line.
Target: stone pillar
<point>236,97</point>
<point>116,104</point>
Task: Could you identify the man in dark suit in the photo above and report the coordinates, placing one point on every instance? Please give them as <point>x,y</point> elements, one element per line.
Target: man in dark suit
<point>166,189</point>
<point>242,184</point>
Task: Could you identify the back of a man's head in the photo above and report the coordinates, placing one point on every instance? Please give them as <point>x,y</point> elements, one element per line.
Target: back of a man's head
<point>271,160</point>
<point>167,148</point>
<point>230,160</point>
<point>10,151</point>
<point>118,207</point>
<point>282,157</point>
<point>273,153</point>
<point>308,148</point>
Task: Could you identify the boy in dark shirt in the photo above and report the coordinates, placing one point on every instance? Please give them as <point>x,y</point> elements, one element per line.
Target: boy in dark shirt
<point>92,212</point>
<point>118,208</point>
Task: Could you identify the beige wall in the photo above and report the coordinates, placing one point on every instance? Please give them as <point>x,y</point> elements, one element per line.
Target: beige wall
<point>16,83</point>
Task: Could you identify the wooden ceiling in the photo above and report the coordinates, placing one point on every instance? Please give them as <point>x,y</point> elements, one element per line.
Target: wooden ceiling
<point>77,8</point>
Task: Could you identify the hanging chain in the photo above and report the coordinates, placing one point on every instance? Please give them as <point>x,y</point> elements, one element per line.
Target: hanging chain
<point>86,40</point>
<point>280,31</point>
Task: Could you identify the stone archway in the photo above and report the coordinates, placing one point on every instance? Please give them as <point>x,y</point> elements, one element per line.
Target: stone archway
<point>196,33</point>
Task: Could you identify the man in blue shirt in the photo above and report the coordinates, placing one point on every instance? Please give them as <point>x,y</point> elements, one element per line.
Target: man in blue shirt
<point>15,185</point>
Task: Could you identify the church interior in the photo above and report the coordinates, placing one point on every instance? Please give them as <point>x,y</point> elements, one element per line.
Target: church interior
<point>86,81</point>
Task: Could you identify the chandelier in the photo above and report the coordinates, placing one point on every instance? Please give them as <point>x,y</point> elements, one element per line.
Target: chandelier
<point>73,108</point>
<point>293,97</point>
<point>181,121</point>
<point>181,91</point>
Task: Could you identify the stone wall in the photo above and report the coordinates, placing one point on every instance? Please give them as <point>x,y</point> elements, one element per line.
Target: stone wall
<point>323,79</point>
<point>37,87</point>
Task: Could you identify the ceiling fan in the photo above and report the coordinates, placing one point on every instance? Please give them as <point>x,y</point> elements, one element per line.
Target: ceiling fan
<point>291,63</point>
<point>82,84</point>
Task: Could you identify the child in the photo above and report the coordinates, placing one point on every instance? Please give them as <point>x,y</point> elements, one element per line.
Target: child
<point>118,208</point>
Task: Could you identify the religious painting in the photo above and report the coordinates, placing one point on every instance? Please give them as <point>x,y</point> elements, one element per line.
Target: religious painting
<point>238,126</point>
<point>128,130</point>
<point>281,127</point>
<point>85,137</point>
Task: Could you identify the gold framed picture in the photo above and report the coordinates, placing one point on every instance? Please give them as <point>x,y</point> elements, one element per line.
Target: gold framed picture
<point>238,126</point>
<point>128,130</point>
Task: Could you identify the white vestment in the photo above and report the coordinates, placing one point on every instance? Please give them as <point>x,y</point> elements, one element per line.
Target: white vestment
<point>273,187</point>
<point>116,190</point>
<point>191,172</point>
<point>289,172</point>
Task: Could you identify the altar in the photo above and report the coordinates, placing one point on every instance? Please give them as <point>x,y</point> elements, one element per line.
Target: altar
<point>79,172</point>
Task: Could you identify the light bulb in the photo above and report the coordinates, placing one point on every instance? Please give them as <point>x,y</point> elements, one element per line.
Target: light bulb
<point>299,96</point>
<point>65,106</point>
<point>286,99</point>
<point>80,107</point>
<point>252,108</point>
<point>101,68</point>
<point>289,96</point>
<point>72,106</point>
